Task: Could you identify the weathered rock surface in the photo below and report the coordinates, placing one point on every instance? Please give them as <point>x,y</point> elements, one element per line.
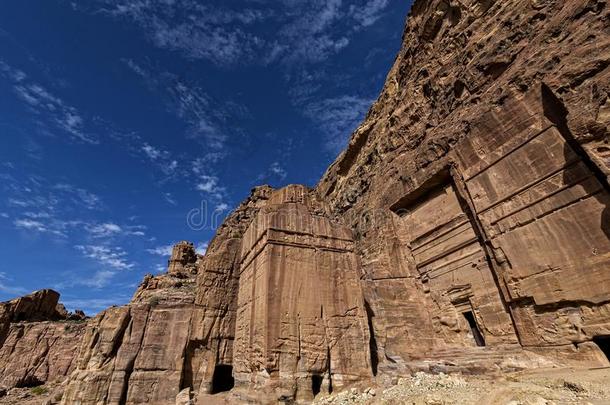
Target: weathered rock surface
<point>35,353</point>
<point>37,337</point>
<point>466,228</point>
<point>301,322</point>
<point>178,328</point>
<point>477,186</point>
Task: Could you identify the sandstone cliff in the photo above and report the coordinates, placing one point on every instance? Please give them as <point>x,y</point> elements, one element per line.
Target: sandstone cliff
<point>465,228</point>
<point>177,329</point>
<point>37,337</point>
<point>478,184</point>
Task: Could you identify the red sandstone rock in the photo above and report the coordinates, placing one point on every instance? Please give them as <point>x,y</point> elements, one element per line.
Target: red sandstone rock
<point>470,208</point>
<point>37,337</point>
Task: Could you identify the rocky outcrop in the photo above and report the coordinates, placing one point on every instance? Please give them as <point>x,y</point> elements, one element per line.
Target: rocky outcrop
<point>135,353</point>
<point>176,332</point>
<point>38,352</point>
<point>183,260</point>
<point>37,339</point>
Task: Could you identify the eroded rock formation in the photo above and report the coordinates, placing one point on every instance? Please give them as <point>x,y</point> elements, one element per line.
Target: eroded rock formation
<point>465,228</point>
<point>37,337</point>
<point>478,184</point>
<point>176,333</point>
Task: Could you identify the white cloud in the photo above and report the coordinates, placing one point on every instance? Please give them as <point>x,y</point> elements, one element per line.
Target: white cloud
<point>304,31</point>
<point>206,119</point>
<point>278,170</point>
<point>80,196</point>
<point>369,13</point>
<point>37,215</point>
<point>113,257</point>
<point>152,152</point>
<point>207,184</point>
<point>169,198</point>
<point>221,207</point>
<point>161,250</point>
<point>105,230</point>
<point>109,230</point>
<point>275,172</point>
<point>31,225</point>
<point>338,117</point>
<point>50,107</point>
<point>202,248</point>
<point>4,215</point>
<point>161,158</point>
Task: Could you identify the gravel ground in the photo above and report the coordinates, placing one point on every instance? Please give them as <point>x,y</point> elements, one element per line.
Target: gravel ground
<point>531,388</point>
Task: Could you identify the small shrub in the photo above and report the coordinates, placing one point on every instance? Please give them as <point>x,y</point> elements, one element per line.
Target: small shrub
<point>154,301</point>
<point>40,390</point>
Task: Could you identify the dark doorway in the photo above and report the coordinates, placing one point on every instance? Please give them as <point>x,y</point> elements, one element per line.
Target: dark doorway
<point>474,328</point>
<point>316,384</point>
<point>603,342</point>
<point>372,341</point>
<point>29,382</point>
<point>222,380</point>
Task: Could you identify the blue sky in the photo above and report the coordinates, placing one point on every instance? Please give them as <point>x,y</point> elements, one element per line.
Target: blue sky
<point>119,118</point>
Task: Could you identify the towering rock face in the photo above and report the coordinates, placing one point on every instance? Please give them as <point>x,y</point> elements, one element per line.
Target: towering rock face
<point>478,184</point>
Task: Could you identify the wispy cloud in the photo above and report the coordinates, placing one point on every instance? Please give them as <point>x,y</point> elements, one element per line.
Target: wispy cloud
<point>338,117</point>
<point>50,108</point>
<point>208,120</point>
<point>170,198</point>
<point>306,31</point>
<point>161,250</point>
<point>275,172</point>
<point>369,13</point>
<point>161,158</point>
<point>202,248</point>
<point>10,289</point>
<point>113,257</point>
<point>80,196</point>
<point>206,182</point>
<point>64,211</point>
<point>108,230</point>
<point>37,226</point>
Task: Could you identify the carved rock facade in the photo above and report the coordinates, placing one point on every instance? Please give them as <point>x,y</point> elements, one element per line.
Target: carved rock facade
<point>478,186</point>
